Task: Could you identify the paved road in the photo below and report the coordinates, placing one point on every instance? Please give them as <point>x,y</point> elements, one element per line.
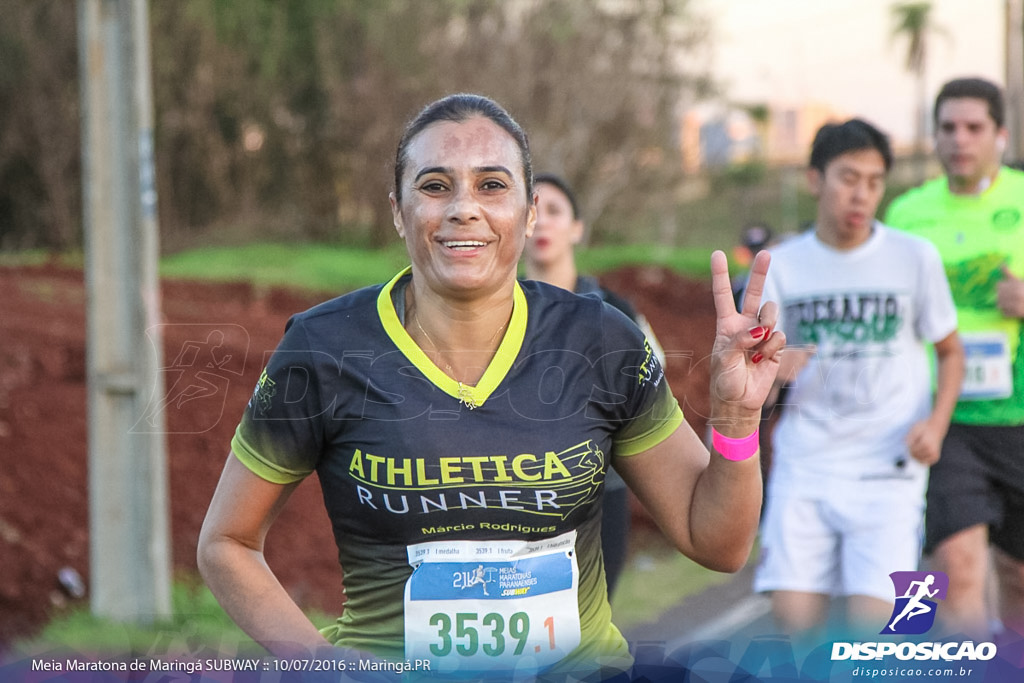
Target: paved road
<point>726,610</point>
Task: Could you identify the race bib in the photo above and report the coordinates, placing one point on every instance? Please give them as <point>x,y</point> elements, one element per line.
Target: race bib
<point>989,370</point>
<point>477,606</point>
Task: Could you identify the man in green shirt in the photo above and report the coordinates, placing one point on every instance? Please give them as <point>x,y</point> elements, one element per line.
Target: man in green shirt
<point>974,214</point>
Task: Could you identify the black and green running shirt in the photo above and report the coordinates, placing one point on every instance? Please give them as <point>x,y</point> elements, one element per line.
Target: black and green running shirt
<point>976,235</point>
<point>406,455</point>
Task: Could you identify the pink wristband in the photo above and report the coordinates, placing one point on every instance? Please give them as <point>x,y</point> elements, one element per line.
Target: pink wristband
<point>735,449</point>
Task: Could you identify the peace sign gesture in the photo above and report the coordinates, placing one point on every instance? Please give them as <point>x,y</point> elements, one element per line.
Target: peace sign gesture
<point>745,356</point>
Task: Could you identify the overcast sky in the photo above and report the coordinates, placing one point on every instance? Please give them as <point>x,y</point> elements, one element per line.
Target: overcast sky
<point>841,52</point>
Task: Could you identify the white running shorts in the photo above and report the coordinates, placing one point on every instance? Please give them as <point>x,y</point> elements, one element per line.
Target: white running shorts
<point>838,547</point>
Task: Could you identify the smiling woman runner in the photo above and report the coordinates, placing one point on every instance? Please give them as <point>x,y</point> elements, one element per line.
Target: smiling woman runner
<point>462,424</point>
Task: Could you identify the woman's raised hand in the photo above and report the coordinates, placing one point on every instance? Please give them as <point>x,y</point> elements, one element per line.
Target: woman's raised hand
<point>745,356</point>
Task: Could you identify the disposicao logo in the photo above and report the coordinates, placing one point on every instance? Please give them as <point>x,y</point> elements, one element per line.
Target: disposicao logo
<point>916,592</point>
<point>913,614</point>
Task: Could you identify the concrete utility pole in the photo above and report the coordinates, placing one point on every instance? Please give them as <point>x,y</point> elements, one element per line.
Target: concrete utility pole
<point>128,502</point>
<point>1015,78</point>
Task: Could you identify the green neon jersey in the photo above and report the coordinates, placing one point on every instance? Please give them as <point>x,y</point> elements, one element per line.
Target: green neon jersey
<point>976,235</point>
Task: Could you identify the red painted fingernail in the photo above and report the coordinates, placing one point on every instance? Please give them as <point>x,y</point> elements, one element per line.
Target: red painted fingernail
<point>758,332</point>
<point>757,358</point>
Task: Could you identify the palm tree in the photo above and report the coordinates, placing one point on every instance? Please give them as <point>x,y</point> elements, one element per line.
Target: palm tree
<point>914,20</point>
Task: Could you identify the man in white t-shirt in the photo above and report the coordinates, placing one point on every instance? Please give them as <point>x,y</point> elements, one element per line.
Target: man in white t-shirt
<point>858,302</point>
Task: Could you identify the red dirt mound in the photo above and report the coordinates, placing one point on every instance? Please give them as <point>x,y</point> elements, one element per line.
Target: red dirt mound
<point>215,340</point>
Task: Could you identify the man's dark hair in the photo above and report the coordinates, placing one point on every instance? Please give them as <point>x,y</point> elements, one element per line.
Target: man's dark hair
<point>977,88</point>
<point>835,139</point>
<point>563,187</point>
<point>458,108</point>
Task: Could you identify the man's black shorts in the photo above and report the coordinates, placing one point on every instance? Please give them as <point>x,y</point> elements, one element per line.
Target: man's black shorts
<point>978,480</point>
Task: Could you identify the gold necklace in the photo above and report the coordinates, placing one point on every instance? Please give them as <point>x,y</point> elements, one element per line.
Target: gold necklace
<point>465,391</point>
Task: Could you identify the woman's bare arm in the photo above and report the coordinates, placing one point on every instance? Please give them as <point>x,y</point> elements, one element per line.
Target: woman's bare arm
<point>231,561</point>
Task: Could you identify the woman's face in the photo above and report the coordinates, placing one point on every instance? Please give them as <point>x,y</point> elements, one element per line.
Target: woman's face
<point>557,232</point>
<point>464,215</point>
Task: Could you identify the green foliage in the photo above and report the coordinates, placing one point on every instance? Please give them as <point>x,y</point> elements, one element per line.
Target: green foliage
<point>286,112</point>
<point>312,267</point>
<point>281,116</point>
<point>759,112</point>
<point>331,268</point>
<point>13,60</point>
<point>197,624</point>
<point>39,126</point>
<point>743,174</point>
<point>689,261</point>
<point>717,218</point>
<point>913,20</point>
<point>29,257</point>
<point>325,268</point>
<point>278,35</point>
<point>656,579</point>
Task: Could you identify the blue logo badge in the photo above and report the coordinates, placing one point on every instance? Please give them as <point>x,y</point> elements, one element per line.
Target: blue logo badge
<point>916,592</point>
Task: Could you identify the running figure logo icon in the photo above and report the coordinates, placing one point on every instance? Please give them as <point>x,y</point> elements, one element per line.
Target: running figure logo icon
<point>914,612</point>
<point>474,577</point>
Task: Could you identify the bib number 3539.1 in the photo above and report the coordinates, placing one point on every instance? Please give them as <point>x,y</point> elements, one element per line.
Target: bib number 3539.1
<point>492,605</point>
